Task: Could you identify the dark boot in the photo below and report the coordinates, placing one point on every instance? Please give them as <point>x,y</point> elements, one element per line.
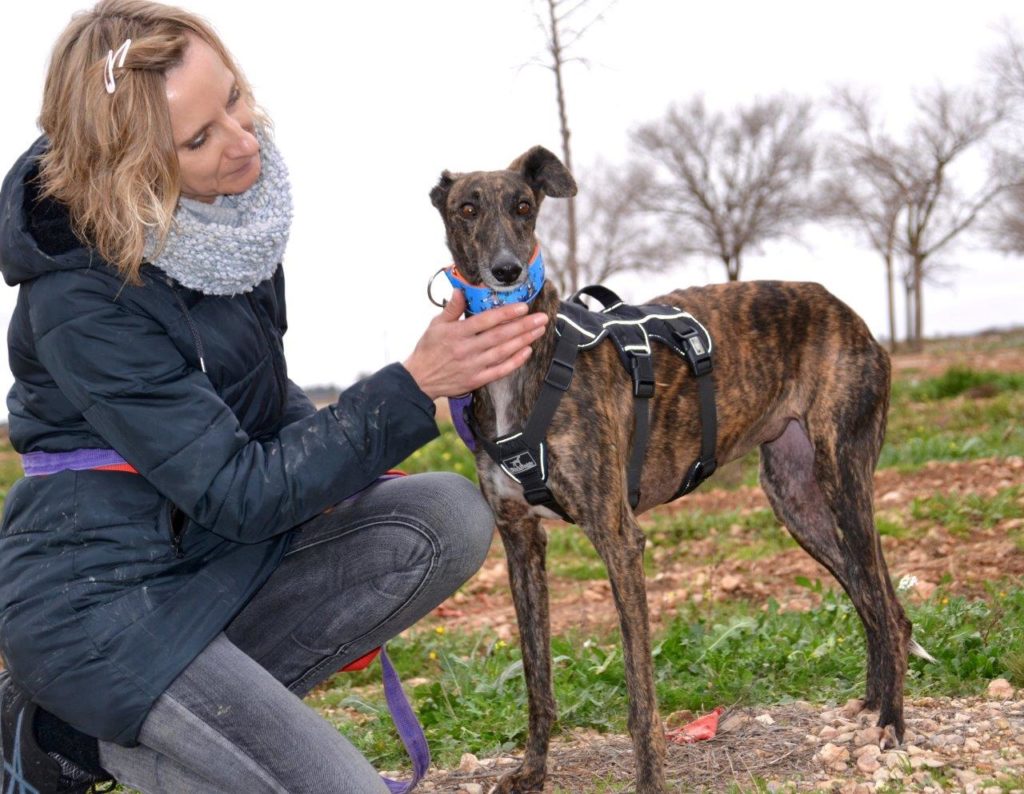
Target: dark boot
<point>30,769</point>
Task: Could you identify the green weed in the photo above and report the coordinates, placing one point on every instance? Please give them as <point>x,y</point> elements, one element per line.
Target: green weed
<point>956,381</point>
<point>961,513</point>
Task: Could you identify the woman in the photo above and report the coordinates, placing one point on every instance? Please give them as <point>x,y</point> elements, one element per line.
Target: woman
<point>184,559</point>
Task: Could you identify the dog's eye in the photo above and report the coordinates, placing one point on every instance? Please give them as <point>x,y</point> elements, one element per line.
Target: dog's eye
<point>467,211</point>
<point>523,208</point>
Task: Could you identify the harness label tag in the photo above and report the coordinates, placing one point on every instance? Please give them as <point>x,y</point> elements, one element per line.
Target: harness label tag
<point>519,464</point>
<point>697,346</point>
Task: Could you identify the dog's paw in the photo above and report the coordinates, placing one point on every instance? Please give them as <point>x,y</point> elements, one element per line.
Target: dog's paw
<point>520,782</point>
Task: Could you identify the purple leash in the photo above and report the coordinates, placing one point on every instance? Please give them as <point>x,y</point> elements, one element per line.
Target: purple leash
<point>409,729</point>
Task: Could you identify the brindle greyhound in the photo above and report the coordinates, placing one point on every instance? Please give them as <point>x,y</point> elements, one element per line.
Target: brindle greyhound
<point>797,373</point>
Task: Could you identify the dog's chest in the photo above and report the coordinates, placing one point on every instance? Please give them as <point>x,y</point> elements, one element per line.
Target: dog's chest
<point>505,396</point>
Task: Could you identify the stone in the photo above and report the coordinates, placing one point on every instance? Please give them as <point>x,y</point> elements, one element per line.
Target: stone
<point>828,732</point>
<point>896,759</point>
<point>972,745</point>
<point>730,583</point>
<point>1000,689</point>
<point>948,741</point>
<point>472,788</point>
<point>832,754</point>
<point>844,737</point>
<point>867,749</point>
<point>868,764</point>
<point>872,735</point>
<point>469,763</point>
<point>733,723</point>
<point>764,719</point>
<point>852,707</point>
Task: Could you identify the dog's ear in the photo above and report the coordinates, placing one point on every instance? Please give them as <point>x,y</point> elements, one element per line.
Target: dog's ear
<point>544,172</point>
<point>439,193</point>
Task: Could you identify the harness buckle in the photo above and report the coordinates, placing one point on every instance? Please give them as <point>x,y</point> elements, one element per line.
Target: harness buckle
<point>559,375</point>
<point>697,356</point>
<point>642,372</point>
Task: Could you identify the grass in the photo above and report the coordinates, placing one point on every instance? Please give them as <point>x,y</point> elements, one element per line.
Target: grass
<point>473,698</point>
<point>961,513</point>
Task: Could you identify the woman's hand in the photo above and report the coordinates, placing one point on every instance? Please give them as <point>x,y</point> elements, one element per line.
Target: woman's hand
<point>455,356</point>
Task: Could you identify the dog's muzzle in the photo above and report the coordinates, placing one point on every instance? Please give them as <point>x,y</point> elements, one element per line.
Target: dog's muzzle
<point>480,299</point>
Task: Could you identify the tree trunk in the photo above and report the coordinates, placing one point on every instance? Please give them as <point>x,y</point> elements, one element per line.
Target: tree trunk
<point>890,288</point>
<point>918,303</point>
<point>571,266</point>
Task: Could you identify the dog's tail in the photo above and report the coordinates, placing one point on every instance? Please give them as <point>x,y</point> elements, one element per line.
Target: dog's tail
<point>916,650</point>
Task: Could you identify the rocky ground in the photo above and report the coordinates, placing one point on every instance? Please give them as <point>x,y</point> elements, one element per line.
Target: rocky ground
<point>973,745</point>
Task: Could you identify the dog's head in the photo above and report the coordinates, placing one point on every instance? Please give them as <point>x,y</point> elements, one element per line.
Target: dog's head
<point>489,216</point>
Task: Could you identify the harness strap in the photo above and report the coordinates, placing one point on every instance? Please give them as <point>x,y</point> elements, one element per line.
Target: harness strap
<point>522,455</point>
<point>699,359</point>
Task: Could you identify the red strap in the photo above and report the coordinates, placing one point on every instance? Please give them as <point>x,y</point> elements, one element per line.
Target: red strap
<point>362,662</point>
<point>126,467</point>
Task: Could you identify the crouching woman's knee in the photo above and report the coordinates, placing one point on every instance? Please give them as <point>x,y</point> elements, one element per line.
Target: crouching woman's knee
<point>459,517</point>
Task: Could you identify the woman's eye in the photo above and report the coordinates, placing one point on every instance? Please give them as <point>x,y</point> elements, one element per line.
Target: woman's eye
<point>197,143</point>
<point>523,208</point>
<point>236,94</point>
<point>467,211</point>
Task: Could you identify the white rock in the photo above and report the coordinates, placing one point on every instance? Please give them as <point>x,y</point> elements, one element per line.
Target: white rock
<point>867,749</point>
<point>469,763</point>
<point>868,764</point>
<point>472,788</point>
<point>832,754</point>
<point>764,719</point>
<point>872,735</point>
<point>1000,689</point>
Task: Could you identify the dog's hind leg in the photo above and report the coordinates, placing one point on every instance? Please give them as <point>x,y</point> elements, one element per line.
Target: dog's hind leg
<point>820,486</point>
<point>525,549</point>
<point>619,541</point>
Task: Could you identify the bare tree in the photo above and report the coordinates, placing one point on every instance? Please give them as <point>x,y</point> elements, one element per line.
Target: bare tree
<point>861,190</point>
<point>726,185</point>
<point>616,236</point>
<point>1006,67</point>
<point>910,187</point>
<point>564,22</point>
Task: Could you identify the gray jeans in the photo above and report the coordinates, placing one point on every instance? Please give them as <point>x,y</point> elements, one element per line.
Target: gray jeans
<point>353,578</point>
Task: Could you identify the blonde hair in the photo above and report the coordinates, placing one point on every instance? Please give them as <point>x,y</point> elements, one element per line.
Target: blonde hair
<point>112,159</point>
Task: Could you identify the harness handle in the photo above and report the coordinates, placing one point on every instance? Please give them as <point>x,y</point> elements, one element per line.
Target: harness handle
<point>598,292</point>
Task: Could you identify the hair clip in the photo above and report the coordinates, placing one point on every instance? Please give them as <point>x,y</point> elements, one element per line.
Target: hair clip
<point>112,55</point>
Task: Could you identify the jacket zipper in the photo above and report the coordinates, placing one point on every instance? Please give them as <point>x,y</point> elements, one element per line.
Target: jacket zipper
<point>191,325</point>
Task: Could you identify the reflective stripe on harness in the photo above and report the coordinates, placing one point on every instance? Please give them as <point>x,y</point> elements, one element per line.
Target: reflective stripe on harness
<point>522,454</point>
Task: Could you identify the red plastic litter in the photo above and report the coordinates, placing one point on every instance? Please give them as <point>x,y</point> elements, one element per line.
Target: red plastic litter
<point>699,730</point>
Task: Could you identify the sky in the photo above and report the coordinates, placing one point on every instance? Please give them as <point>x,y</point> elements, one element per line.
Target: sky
<point>372,101</point>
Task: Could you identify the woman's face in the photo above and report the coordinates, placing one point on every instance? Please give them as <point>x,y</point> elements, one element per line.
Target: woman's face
<point>212,124</point>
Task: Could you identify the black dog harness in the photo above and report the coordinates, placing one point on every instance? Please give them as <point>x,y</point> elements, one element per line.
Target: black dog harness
<point>522,454</point>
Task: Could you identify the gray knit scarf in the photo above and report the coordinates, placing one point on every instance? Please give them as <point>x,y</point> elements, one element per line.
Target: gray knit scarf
<point>234,244</point>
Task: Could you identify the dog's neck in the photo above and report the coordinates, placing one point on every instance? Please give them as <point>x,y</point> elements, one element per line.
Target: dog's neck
<point>505,404</point>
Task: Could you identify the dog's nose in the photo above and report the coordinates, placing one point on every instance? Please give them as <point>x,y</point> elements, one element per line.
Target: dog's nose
<point>506,268</point>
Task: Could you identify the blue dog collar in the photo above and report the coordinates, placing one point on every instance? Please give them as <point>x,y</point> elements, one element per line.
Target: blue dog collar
<point>480,299</point>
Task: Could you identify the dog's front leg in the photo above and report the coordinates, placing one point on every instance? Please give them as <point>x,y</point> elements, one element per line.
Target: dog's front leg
<point>620,542</point>
<point>525,550</point>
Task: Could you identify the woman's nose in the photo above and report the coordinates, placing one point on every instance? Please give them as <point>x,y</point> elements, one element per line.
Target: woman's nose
<point>244,143</point>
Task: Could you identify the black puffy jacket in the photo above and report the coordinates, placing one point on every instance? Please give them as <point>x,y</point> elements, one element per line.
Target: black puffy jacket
<point>111,582</point>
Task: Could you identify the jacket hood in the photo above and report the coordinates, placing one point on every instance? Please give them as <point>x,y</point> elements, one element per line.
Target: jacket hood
<point>35,236</point>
